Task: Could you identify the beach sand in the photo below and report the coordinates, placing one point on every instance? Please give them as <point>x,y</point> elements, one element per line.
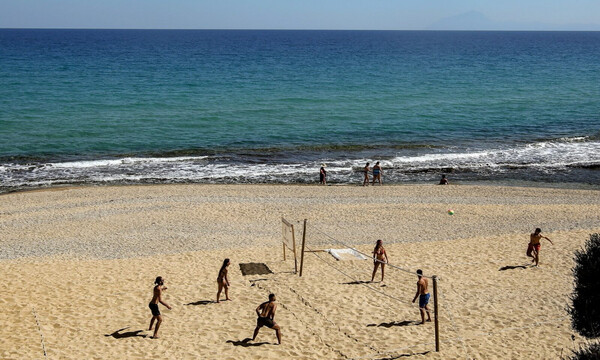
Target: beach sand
<point>78,267</point>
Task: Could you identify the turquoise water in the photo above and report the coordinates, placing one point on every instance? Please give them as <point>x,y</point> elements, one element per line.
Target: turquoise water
<point>269,106</point>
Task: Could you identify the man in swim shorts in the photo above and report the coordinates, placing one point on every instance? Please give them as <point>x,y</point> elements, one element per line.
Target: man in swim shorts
<point>266,316</point>
<point>157,298</point>
<point>423,296</point>
<point>533,249</point>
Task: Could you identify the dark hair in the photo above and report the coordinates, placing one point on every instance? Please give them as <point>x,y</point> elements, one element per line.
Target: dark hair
<point>538,230</point>
<point>378,244</point>
<point>271,296</point>
<point>225,263</point>
<point>158,280</point>
<point>420,272</point>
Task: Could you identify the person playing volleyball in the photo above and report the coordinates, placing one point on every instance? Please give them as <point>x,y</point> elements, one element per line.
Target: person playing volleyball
<point>266,317</point>
<point>533,249</point>
<point>379,257</point>
<point>423,296</point>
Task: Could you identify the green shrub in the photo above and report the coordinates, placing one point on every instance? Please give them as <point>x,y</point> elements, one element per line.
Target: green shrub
<point>592,352</point>
<point>585,308</point>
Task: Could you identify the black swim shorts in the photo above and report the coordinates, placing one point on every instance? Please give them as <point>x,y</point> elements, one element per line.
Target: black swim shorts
<point>154,309</point>
<point>265,321</point>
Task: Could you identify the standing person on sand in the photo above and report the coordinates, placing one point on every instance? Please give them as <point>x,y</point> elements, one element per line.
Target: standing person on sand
<point>377,171</point>
<point>535,245</point>
<point>423,296</point>
<point>157,298</point>
<point>223,280</point>
<point>379,257</point>
<point>266,317</point>
<point>366,170</point>
<point>323,175</point>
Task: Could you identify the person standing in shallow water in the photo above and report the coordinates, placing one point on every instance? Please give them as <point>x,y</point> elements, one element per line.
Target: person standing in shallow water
<point>323,175</point>
<point>533,249</point>
<point>223,280</point>
<point>157,298</point>
<point>377,171</point>
<point>366,170</point>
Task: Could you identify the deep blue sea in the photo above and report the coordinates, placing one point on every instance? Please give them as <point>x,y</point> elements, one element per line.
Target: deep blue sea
<point>163,106</point>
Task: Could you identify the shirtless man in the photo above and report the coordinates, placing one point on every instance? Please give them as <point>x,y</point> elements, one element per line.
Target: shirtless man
<point>533,250</point>
<point>156,298</point>
<point>423,296</point>
<point>266,316</point>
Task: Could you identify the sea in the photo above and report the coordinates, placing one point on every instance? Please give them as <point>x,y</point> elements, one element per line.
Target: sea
<point>268,106</point>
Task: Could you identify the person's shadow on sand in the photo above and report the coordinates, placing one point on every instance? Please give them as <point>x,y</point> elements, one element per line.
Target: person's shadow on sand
<point>511,267</point>
<point>359,282</point>
<point>129,334</point>
<point>246,343</point>
<point>394,323</point>
<point>202,302</point>
<point>405,355</point>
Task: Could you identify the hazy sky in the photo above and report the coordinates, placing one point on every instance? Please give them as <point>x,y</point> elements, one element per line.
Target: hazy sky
<point>295,14</point>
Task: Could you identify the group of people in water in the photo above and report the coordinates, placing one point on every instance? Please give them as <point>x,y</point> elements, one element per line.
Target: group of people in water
<point>266,311</point>
<point>376,170</point>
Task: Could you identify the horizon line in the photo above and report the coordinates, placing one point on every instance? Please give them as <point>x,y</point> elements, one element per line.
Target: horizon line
<point>257,29</point>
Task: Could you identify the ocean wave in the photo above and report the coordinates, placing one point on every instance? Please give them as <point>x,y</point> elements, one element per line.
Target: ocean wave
<point>574,159</point>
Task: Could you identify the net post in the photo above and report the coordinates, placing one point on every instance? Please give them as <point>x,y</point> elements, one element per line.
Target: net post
<point>435,313</point>
<point>283,232</point>
<point>303,243</point>
<point>294,250</point>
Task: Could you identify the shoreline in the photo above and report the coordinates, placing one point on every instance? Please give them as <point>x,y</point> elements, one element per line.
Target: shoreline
<point>485,183</point>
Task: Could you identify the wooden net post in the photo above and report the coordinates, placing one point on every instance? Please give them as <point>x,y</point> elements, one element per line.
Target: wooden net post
<point>435,313</point>
<point>303,244</point>
<point>294,249</point>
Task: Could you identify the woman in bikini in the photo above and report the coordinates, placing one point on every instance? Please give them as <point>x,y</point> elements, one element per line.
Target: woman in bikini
<point>366,170</point>
<point>223,281</point>
<point>379,257</point>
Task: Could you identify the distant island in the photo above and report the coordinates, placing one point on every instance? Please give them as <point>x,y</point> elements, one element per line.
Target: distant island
<point>474,20</point>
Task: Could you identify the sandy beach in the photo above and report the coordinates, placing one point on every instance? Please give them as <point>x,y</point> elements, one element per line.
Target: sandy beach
<point>79,264</point>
